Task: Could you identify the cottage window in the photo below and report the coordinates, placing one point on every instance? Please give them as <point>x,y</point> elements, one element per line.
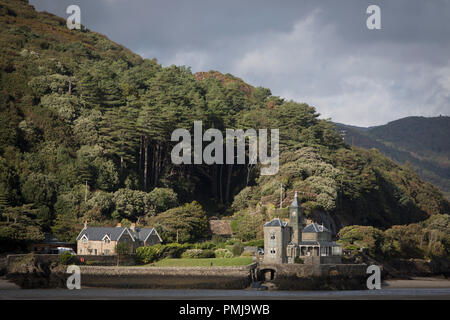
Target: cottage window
<point>107,240</point>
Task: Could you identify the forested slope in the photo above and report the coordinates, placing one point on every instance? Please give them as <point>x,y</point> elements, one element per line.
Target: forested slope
<point>85,127</point>
<point>420,142</point>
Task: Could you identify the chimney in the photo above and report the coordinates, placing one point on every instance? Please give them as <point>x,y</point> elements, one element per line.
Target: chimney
<point>133,227</point>
<point>119,225</point>
<point>85,224</point>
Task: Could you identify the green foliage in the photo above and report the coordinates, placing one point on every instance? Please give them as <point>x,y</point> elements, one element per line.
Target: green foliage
<point>223,253</point>
<point>427,240</point>
<point>207,253</point>
<point>123,248</point>
<point>298,260</point>
<point>66,258</point>
<point>188,221</point>
<point>237,249</point>
<point>193,254</point>
<point>146,254</point>
<point>77,109</point>
<point>163,199</point>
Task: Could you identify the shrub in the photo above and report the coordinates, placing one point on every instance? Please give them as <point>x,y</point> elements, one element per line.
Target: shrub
<point>247,254</point>
<point>148,254</point>
<point>223,253</point>
<point>208,254</point>
<point>298,260</point>
<point>206,245</point>
<point>172,250</point>
<point>237,249</point>
<point>255,243</point>
<point>66,258</point>
<point>192,253</point>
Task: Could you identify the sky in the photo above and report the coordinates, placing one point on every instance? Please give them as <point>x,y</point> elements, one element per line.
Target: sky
<point>313,51</point>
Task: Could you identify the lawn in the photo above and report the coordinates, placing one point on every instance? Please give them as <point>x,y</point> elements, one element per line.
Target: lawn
<point>216,262</point>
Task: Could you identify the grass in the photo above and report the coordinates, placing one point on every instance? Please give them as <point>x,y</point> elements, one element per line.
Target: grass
<point>206,262</point>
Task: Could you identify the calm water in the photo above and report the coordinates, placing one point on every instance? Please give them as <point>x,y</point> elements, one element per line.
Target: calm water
<point>101,293</point>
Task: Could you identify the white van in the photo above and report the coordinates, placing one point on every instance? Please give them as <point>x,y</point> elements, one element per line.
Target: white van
<point>64,249</point>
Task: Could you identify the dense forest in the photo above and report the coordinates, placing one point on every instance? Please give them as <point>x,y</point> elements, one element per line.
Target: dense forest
<point>419,142</point>
<point>85,135</point>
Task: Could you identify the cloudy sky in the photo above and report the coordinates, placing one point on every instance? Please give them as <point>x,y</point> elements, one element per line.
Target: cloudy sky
<point>319,52</point>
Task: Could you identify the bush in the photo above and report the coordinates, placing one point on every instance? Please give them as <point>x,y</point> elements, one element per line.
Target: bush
<point>223,253</point>
<point>298,260</point>
<point>255,243</point>
<point>66,258</point>
<point>208,254</point>
<point>247,254</point>
<point>237,249</point>
<point>206,245</point>
<point>172,250</point>
<point>148,254</point>
<point>192,253</point>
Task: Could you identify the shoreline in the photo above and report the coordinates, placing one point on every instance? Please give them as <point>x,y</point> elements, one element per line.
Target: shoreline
<point>412,283</point>
<point>416,283</point>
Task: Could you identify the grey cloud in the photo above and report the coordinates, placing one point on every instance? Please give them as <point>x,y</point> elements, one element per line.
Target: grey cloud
<point>319,52</point>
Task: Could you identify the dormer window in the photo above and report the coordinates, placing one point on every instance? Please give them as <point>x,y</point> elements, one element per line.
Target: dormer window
<point>84,239</point>
<point>106,239</point>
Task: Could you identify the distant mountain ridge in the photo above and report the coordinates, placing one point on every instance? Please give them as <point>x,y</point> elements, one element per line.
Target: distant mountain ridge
<point>421,142</point>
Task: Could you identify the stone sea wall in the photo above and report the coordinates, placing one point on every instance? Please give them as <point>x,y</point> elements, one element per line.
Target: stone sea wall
<point>314,277</point>
<point>167,277</point>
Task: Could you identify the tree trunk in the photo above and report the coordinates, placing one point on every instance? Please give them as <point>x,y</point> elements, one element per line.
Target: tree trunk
<point>228,186</point>
<point>220,184</point>
<point>145,162</point>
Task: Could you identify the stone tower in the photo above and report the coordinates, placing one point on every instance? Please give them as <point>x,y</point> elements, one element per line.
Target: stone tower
<point>296,220</point>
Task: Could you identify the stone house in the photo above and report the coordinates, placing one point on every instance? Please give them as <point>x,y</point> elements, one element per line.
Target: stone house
<point>286,241</point>
<point>103,240</point>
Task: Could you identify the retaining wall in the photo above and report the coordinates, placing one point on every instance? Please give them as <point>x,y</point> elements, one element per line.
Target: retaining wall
<point>315,277</point>
<point>168,277</point>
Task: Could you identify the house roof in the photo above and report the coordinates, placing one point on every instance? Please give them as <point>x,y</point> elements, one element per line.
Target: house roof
<point>275,223</point>
<point>114,233</point>
<point>314,228</point>
<point>142,234</point>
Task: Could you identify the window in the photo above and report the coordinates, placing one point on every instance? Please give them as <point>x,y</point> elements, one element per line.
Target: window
<point>272,236</point>
<point>106,251</point>
<point>107,240</point>
<point>272,251</point>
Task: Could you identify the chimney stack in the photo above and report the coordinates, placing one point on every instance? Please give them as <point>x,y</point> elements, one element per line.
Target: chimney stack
<point>133,227</point>
<point>85,224</point>
<point>119,225</point>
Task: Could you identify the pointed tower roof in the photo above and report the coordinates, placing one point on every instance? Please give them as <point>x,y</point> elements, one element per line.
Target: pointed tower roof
<point>295,203</point>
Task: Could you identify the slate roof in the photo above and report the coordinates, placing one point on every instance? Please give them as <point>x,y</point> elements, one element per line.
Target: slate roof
<point>275,223</point>
<point>142,234</point>
<point>114,233</point>
<point>314,227</point>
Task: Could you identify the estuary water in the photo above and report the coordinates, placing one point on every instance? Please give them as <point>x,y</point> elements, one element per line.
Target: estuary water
<point>418,288</point>
<point>145,294</point>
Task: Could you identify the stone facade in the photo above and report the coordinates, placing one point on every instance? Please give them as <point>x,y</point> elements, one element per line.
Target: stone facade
<point>104,241</point>
<point>285,242</point>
